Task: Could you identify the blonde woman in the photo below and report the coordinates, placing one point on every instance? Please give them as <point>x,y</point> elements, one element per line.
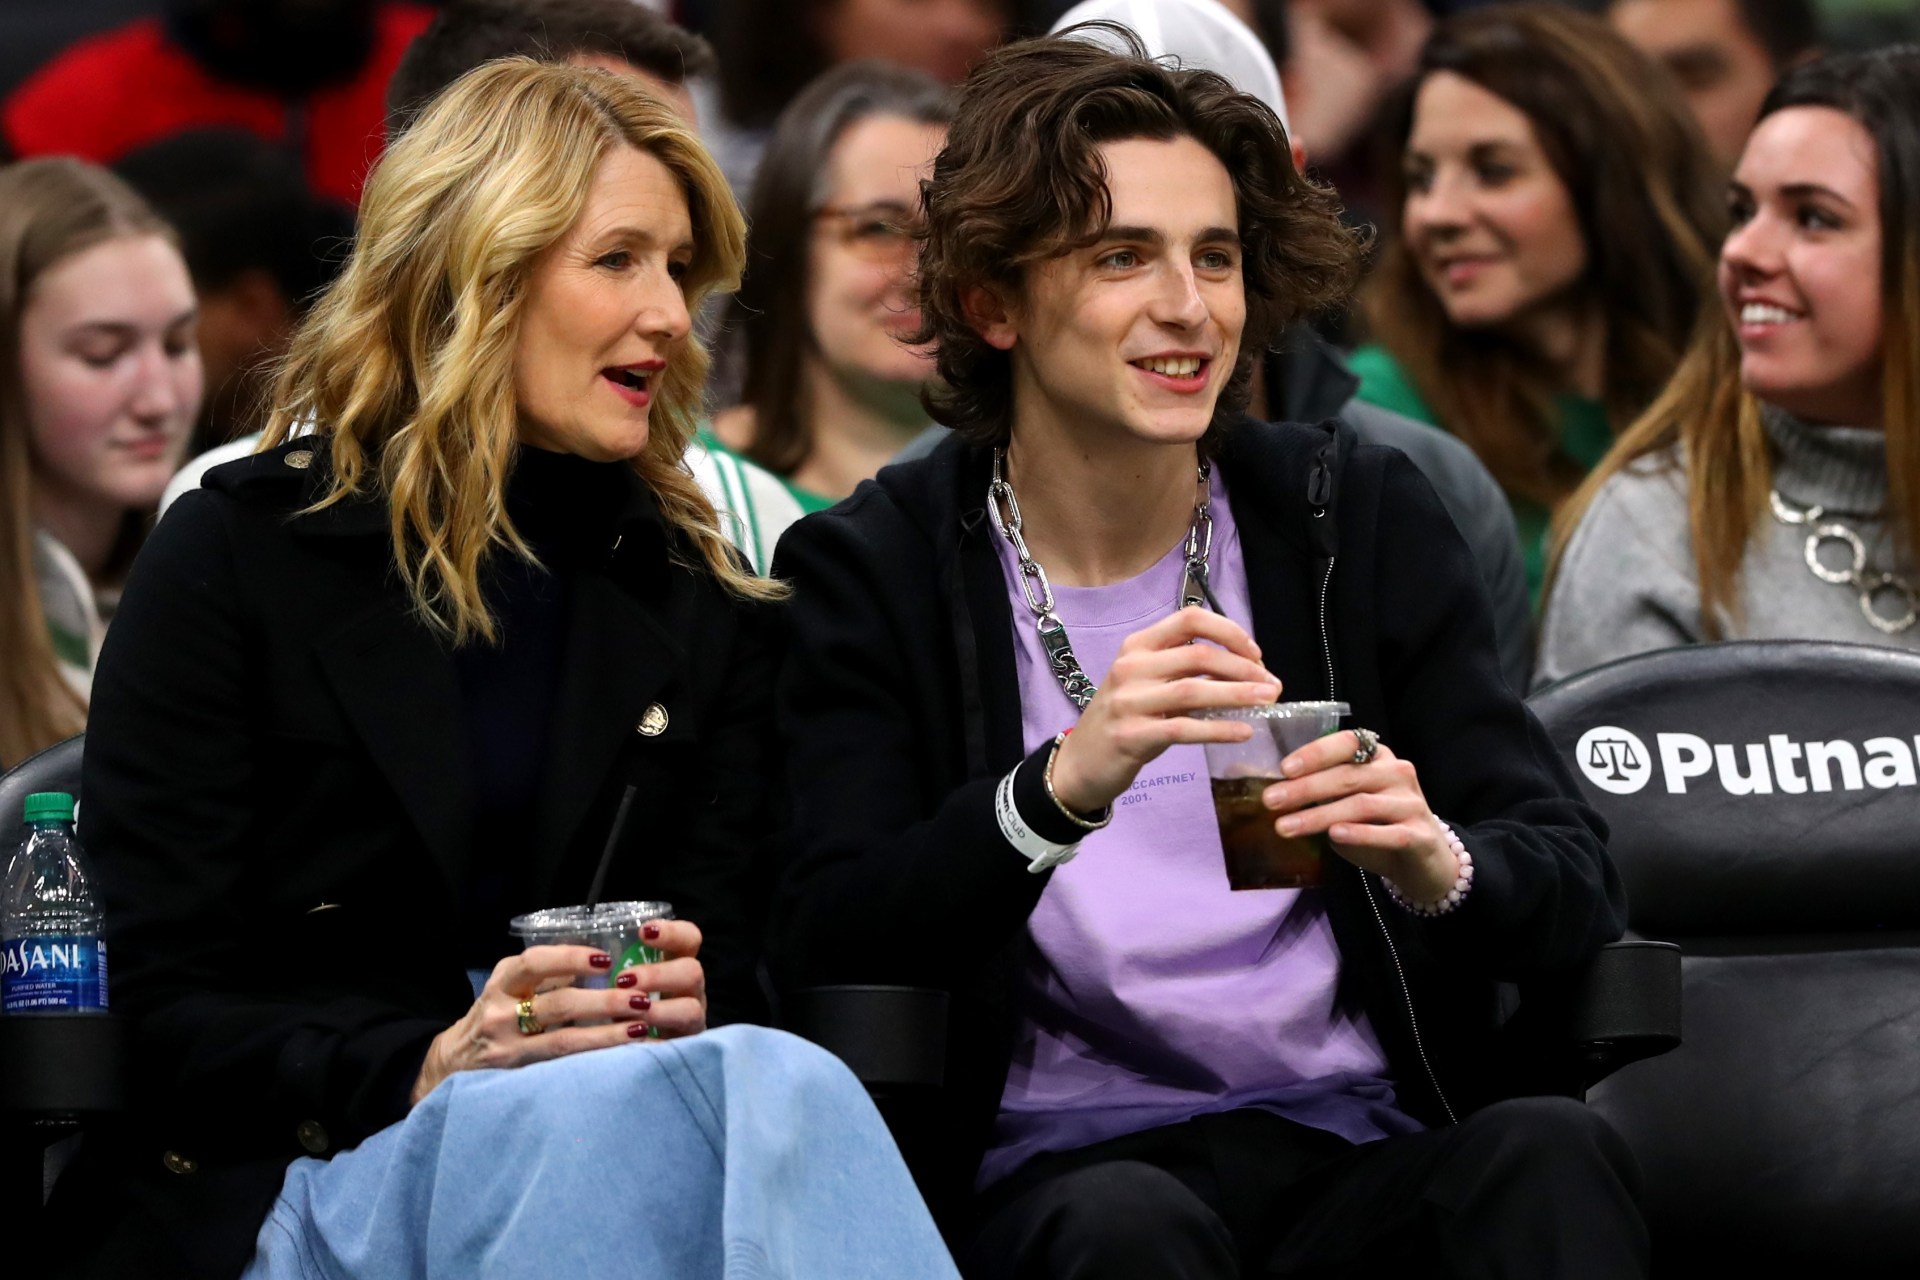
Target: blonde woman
<point>99,386</point>
<point>1773,490</point>
<point>473,646</point>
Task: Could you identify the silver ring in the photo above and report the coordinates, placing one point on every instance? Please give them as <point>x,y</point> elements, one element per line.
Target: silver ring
<point>1369,745</point>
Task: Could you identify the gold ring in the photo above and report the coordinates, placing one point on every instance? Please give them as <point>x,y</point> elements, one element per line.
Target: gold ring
<point>529,1025</point>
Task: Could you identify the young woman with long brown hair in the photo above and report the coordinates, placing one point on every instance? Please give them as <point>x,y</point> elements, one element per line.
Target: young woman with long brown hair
<point>1773,490</point>
<point>1550,245</point>
<point>100,383</point>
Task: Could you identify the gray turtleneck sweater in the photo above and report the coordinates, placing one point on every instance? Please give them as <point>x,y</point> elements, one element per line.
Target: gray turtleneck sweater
<point>1627,583</point>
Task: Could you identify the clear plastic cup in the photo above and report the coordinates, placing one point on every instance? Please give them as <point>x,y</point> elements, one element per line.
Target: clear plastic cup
<point>1257,855</point>
<point>612,927</point>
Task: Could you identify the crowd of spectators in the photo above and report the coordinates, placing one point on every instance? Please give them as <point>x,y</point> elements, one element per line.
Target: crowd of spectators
<point>1638,284</point>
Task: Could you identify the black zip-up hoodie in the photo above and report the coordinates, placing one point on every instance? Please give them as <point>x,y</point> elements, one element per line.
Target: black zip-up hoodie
<point>901,709</point>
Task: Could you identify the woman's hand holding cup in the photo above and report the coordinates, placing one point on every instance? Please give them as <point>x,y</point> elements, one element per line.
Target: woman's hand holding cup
<point>664,999</point>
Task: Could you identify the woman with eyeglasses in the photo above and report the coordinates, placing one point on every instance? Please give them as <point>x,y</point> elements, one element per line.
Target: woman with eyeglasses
<point>831,391</point>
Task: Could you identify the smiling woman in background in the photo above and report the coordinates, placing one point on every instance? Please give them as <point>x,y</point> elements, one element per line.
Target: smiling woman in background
<point>1551,250</point>
<point>1773,491</point>
<point>99,387</point>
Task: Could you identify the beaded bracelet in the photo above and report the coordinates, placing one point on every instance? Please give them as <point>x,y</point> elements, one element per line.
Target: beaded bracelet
<point>1456,895</point>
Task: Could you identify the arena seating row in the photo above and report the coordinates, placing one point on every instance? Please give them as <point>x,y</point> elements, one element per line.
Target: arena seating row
<point>1761,798</point>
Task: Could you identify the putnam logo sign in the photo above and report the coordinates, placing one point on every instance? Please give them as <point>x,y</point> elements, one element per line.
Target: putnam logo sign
<point>1617,760</point>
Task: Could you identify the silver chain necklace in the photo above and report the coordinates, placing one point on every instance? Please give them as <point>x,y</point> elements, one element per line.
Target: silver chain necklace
<point>1194,589</point>
<point>1870,583</point>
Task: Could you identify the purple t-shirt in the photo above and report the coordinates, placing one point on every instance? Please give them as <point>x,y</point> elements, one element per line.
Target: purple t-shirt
<point>1154,993</point>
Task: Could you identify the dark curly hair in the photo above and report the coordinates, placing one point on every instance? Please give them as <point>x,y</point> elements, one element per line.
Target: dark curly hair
<point>1021,180</point>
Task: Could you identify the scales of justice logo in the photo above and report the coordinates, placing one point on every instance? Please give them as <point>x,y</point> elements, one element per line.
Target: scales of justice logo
<point>1614,759</point>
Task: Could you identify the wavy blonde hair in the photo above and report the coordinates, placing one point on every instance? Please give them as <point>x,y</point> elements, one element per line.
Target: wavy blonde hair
<point>406,365</point>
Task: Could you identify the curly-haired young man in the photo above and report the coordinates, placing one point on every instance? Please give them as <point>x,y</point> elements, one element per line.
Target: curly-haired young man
<point>1150,1073</point>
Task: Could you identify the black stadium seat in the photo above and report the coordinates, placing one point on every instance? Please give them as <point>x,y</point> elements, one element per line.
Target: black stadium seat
<point>1765,812</point>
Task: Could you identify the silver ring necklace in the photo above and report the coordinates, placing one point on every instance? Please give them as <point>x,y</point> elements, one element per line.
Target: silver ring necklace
<point>1004,508</point>
<point>1871,584</point>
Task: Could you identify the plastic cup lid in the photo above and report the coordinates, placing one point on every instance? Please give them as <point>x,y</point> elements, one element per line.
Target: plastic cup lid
<point>1276,711</point>
<point>607,917</point>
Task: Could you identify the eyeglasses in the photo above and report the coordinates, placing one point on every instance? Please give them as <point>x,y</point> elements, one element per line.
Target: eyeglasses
<point>880,232</point>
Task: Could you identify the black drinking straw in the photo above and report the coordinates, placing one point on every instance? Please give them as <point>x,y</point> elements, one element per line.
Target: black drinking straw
<point>613,841</point>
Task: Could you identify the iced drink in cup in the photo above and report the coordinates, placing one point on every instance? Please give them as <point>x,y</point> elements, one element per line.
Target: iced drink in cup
<point>1258,856</point>
<point>612,927</point>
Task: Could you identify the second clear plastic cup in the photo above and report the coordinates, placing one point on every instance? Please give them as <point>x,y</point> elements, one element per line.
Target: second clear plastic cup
<point>612,927</point>
<point>1257,855</point>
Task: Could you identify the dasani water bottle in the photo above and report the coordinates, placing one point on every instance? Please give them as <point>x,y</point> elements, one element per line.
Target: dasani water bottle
<point>55,959</point>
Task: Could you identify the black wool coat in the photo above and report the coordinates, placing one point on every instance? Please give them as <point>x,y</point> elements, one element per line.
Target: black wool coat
<point>901,708</point>
<point>277,798</point>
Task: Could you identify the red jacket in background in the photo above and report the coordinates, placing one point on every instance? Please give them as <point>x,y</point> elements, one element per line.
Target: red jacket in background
<point>115,92</point>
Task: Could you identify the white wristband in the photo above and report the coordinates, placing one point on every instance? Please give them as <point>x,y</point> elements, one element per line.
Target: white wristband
<point>1041,853</point>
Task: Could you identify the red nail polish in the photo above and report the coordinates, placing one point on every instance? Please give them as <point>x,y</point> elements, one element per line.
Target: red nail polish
<point>650,932</point>
<point>627,979</point>
<point>600,960</point>
<point>636,1030</point>
<point>642,1002</point>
